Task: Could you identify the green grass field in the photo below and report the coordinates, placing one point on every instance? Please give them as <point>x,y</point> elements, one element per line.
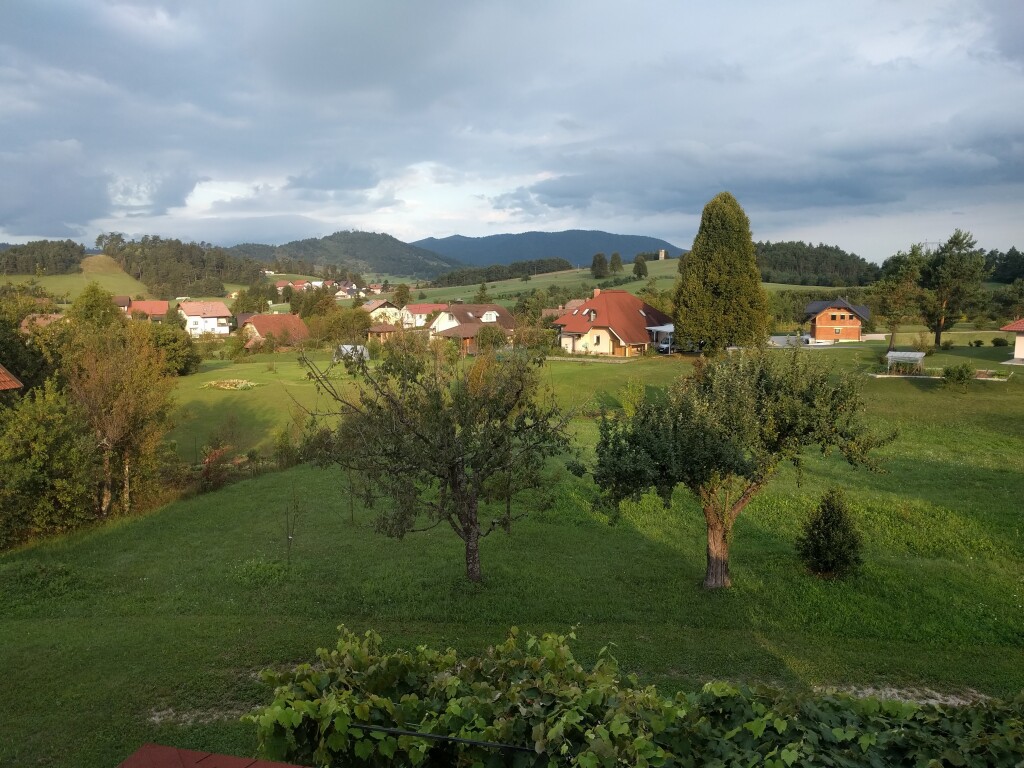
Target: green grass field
<point>101,269</point>
<point>153,628</point>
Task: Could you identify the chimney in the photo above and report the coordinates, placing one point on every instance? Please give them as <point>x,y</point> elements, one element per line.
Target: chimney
<point>597,292</point>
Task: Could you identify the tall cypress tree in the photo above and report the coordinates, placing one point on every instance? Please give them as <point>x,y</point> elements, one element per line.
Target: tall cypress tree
<point>718,296</point>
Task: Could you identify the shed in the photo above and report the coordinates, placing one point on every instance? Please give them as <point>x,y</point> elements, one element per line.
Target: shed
<point>351,352</point>
<point>904,362</point>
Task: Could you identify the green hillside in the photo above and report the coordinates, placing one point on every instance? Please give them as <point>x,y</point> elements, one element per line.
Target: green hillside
<point>101,269</point>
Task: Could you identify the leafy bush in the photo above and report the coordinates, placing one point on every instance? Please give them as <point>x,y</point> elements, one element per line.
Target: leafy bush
<point>538,699</point>
<point>830,544</point>
<point>947,344</point>
<point>1000,341</point>
<point>958,375</point>
<point>978,343</point>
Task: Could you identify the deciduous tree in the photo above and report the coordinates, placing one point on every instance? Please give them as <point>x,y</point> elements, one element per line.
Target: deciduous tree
<point>639,266</point>
<point>615,264</point>
<point>952,279</point>
<point>898,295</point>
<point>438,439</point>
<point>724,432</point>
<point>718,296</point>
<point>599,266</point>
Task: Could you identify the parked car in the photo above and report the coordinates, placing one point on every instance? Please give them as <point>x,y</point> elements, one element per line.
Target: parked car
<point>666,347</point>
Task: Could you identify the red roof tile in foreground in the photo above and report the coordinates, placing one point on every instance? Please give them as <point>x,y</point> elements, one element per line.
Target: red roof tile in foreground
<point>204,309</point>
<point>1016,325</point>
<point>280,326</point>
<point>8,380</point>
<point>157,756</point>
<point>425,309</point>
<point>622,313</point>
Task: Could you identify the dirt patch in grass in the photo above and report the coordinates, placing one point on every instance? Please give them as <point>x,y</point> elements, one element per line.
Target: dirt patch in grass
<point>231,384</point>
<point>171,716</point>
<point>913,695</point>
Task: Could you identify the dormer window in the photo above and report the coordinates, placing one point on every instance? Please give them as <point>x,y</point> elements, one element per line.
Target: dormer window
<point>592,315</point>
<point>490,316</point>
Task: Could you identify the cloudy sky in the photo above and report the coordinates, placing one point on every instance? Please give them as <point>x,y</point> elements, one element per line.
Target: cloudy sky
<point>870,125</point>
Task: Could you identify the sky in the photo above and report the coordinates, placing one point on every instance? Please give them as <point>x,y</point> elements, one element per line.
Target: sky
<point>867,125</point>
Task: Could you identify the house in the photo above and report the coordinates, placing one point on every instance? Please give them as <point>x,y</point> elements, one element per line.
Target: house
<point>613,322</point>
<point>123,303</point>
<point>156,311</point>
<point>415,315</point>
<point>34,321</point>
<point>281,285</point>
<point>8,381</point>
<point>553,313</point>
<point>205,317</point>
<point>286,330</point>
<point>463,322</point>
<point>382,311</point>
<point>835,320</point>
<point>1016,327</point>
<point>383,331</point>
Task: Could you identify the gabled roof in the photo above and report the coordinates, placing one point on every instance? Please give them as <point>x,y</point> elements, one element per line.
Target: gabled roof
<point>38,321</point>
<point>280,326</point>
<point>816,307</point>
<point>1016,325</point>
<point>123,301</point>
<point>468,314</point>
<point>372,306</point>
<point>470,330</point>
<point>204,309</point>
<point>383,328</point>
<point>8,380</point>
<point>151,308</point>
<point>424,309</point>
<point>622,313</point>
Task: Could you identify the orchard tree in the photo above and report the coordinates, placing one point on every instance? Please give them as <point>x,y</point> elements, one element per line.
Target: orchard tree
<point>718,296</point>
<point>438,439</point>
<point>639,266</point>
<point>897,295</point>
<point>615,265</point>
<point>599,266</point>
<point>724,432</point>
<point>951,278</point>
<point>402,295</point>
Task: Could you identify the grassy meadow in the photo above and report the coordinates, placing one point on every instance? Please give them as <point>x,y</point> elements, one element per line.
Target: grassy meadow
<point>100,269</point>
<point>153,628</point>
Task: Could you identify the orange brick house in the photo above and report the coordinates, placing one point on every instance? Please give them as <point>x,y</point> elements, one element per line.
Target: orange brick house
<point>835,320</point>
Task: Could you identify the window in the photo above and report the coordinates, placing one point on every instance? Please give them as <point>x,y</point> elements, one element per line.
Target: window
<point>833,317</point>
<point>597,341</point>
<point>838,331</point>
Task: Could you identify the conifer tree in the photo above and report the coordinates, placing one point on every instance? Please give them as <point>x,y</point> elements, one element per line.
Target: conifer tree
<point>718,296</point>
<point>599,266</point>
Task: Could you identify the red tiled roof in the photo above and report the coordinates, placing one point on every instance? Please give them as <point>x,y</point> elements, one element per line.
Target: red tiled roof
<point>280,326</point>
<point>282,283</point>
<point>425,309</point>
<point>157,756</point>
<point>8,380</point>
<point>204,309</point>
<point>38,321</point>
<point>383,328</point>
<point>151,308</point>
<point>620,312</point>
<point>1016,326</point>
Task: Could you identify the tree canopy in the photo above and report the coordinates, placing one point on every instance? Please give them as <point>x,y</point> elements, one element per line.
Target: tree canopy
<point>724,432</point>
<point>951,278</point>
<point>438,439</point>
<point>718,296</point>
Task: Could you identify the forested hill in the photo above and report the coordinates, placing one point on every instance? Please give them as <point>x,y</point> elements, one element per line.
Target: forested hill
<point>171,268</point>
<point>53,257</point>
<point>576,245</point>
<point>799,263</point>
<point>360,252</point>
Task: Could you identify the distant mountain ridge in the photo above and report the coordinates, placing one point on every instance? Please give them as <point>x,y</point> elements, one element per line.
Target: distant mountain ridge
<point>363,252</point>
<point>576,245</point>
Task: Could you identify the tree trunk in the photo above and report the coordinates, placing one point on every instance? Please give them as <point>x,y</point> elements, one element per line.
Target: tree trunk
<point>126,496</point>
<point>108,482</point>
<point>472,532</point>
<point>717,574</point>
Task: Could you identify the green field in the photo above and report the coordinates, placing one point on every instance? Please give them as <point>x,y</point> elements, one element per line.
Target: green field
<point>152,629</point>
<point>101,269</point>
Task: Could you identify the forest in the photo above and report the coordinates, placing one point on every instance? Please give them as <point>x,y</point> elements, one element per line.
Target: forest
<point>798,263</point>
<point>51,257</point>
<point>522,269</point>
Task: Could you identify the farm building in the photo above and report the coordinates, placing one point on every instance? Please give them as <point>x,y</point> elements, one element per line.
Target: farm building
<point>614,323</point>
<point>836,320</point>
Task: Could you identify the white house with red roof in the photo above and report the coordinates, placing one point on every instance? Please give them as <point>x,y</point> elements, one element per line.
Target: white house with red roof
<point>614,323</point>
<point>1017,327</point>
<point>415,315</point>
<point>205,317</point>
<point>383,311</point>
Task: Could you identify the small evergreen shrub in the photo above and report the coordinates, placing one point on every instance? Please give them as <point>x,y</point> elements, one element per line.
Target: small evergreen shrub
<point>957,375</point>
<point>978,343</point>
<point>830,545</point>
<point>1000,341</point>
<point>947,344</point>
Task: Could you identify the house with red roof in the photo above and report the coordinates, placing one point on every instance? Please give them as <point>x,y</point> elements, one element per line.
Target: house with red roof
<point>612,322</point>
<point>205,317</point>
<point>463,323</point>
<point>8,381</point>
<point>382,311</point>
<point>285,330</point>
<point>1017,327</point>
<point>415,315</point>
<point>156,311</point>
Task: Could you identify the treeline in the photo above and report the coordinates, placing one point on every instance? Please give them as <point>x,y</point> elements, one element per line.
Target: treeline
<point>170,268</point>
<point>799,263</point>
<point>1005,267</point>
<point>51,257</point>
<point>495,272</point>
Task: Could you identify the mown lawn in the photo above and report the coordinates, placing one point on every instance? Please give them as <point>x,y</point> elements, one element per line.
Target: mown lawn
<point>152,629</point>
